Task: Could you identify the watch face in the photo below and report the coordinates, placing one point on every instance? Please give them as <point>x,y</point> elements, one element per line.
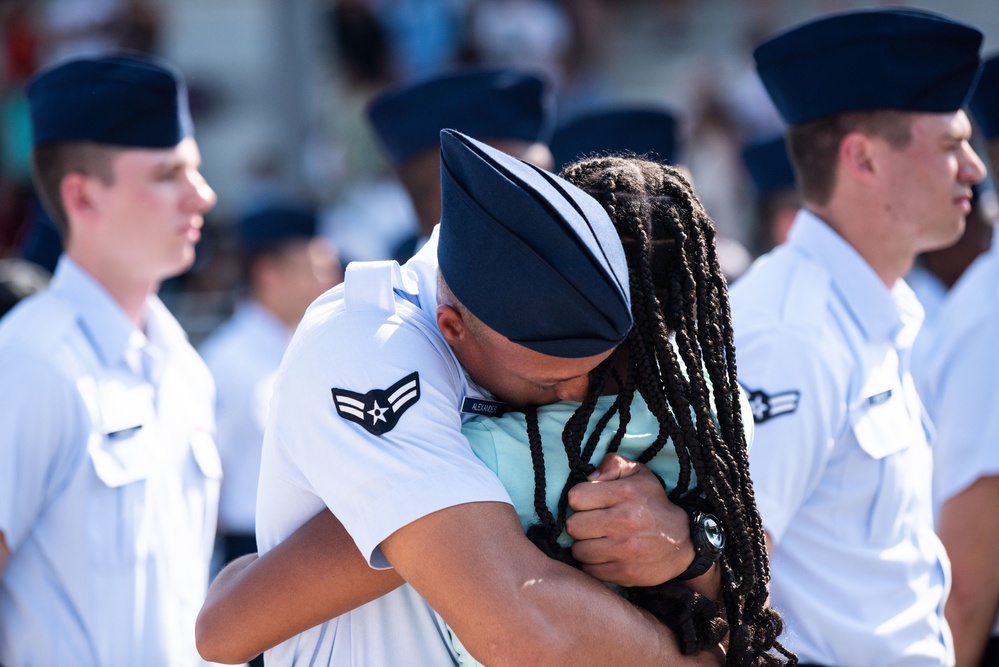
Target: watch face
<point>713,532</point>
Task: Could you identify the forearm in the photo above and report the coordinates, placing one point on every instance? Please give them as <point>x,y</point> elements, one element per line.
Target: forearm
<point>971,626</point>
<point>709,585</point>
<point>971,545</point>
<point>313,576</point>
<point>583,605</point>
<point>512,605</point>
<point>4,553</point>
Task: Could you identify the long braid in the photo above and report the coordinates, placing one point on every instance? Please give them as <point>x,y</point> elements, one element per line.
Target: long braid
<point>682,362</point>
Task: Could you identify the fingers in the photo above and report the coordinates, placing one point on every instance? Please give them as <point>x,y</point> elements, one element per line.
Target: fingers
<point>637,483</point>
<point>614,466</point>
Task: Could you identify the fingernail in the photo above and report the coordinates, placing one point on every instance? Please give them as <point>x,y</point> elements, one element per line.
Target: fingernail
<point>593,476</point>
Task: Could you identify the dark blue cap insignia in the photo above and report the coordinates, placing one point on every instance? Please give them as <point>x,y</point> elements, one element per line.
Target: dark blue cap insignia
<point>984,103</point>
<point>531,255</point>
<point>483,103</point>
<point>650,133</point>
<point>768,165</point>
<point>271,226</point>
<point>120,99</point>
<point>903,59</point>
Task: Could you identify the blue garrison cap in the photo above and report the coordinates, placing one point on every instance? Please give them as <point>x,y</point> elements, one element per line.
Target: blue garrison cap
<point>647,132</point>
<point>768,165</point>
<point>267,228</point>
<point>903,59</point>
<point>534,257</point>
<point>984,103</point>
<point>485,103</point>
<point>121,99</point>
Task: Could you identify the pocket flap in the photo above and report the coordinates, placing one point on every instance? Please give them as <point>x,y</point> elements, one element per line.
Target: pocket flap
<point>122,457</point>
<point>206,454</point>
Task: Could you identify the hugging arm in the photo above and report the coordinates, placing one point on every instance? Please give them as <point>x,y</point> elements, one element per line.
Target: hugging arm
<point>257,602</point>
<point>508,602</point>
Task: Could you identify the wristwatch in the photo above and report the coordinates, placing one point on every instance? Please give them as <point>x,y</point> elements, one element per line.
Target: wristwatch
<point>708,539</point>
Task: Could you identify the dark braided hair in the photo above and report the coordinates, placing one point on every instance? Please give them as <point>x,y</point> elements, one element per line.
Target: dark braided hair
<point>677,288</point>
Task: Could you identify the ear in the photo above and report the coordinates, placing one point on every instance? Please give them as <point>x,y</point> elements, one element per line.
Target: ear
<point>857,156</point>
<point>452,325</point>
<point>77,197</point>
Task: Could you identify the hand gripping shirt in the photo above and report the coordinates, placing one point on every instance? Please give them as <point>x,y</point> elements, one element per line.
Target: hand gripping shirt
<point>502,444</point>
<point>841,464</point>
<point>366,420</point>
<point>955,370</point>
<point>243,356</point>
<point>109,482</point>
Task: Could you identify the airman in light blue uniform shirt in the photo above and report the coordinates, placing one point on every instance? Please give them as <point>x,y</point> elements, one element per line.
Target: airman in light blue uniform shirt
<point>824,328</point>
<point>109,475</point>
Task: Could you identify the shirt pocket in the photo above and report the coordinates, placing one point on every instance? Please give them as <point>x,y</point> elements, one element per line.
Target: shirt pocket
<point>886,467</point>
<point>122,461</point>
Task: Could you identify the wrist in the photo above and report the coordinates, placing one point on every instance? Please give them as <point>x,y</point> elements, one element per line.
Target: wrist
<point>707,540</point>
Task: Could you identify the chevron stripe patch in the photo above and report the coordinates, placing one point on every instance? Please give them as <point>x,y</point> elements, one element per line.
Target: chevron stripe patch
<point>379,410</point>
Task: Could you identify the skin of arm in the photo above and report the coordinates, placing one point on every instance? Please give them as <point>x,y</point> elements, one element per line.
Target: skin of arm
<point>313,576</point>
<point>512,605</point>
<point>318,573</point>
<point>4,553</point>
<point>971,544</point>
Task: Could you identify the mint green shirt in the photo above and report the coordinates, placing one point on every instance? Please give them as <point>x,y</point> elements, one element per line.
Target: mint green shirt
<point>501,443</point>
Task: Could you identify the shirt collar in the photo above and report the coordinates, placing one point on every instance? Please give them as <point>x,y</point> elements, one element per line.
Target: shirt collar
<point>105,323</point>
<point>110,331</point>
<point>881,313</point>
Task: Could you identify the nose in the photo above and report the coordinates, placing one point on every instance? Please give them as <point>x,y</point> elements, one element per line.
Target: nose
<point>204,197</point>
<point>973,169</point>
<point>573,390</point>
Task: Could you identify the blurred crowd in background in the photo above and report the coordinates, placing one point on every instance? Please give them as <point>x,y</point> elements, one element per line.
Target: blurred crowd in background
<point>279,90</point>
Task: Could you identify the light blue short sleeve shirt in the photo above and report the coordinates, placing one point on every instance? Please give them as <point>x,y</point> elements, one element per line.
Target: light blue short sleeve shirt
<point>841,463</point>
<point>109,481</point>
<point>955,367</point>
<point>366,421</point>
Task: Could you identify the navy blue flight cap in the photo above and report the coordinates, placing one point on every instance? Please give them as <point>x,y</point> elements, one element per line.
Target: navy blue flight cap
<point>984,103</point>
<point>646,132</point>
<point>903,59</point>
<point>485,103</point>
<point>768,165</point>
<point>121,99</point>
<point>534,257</point>
<point>268,228</point>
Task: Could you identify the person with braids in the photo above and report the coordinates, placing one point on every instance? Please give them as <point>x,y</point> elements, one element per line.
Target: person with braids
<point>410,504</point>
<point>669,243</point>
<point>645,404</point>
<point>825,325</point>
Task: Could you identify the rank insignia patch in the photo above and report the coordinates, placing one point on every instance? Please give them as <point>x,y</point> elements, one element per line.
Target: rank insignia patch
<point>767,406</point>
<point>378,411</point>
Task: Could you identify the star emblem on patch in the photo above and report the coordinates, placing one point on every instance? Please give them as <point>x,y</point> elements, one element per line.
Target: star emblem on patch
<point>767,406</point>
<point>379,410</point>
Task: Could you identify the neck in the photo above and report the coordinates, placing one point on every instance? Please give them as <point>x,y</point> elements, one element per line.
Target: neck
<point>128,292</point>
<point>884,251</point>
<point>273,305</point>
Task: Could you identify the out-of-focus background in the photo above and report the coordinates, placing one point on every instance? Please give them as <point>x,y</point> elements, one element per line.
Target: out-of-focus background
<point>279,88</point>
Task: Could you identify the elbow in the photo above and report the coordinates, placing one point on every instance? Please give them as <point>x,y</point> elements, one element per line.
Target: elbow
<point>216,646</point>
<point>521,644</point>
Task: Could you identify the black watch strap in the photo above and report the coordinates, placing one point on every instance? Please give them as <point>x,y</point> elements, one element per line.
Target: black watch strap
<point>708,540</point>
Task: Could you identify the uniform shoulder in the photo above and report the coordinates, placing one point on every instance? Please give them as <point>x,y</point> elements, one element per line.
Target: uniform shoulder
<point>782,289</point>
<point>37,326</point>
